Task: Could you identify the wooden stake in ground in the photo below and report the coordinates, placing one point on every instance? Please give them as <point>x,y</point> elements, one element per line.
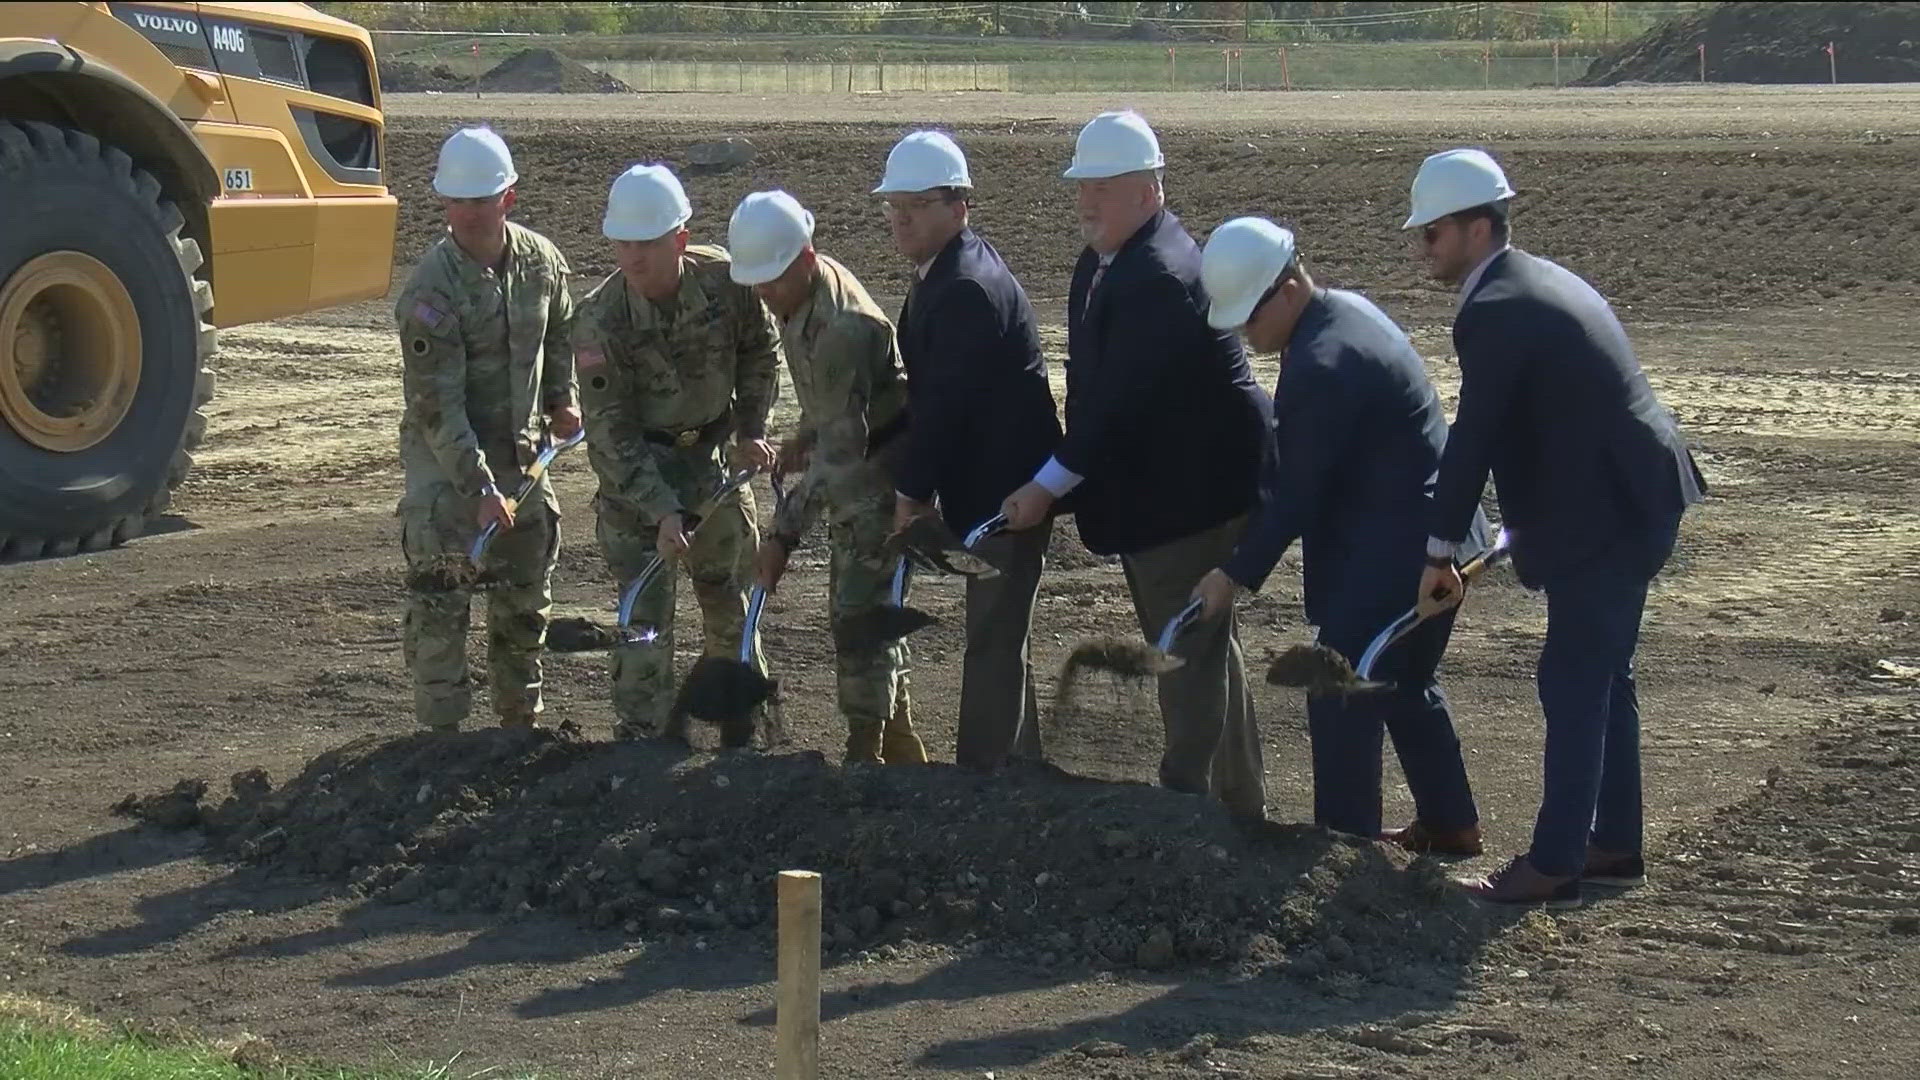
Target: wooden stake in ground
<point>797,1016</point>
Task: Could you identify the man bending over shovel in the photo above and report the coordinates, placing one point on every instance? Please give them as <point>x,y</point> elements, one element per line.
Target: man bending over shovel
<point>853,412</point>
<point>1360,431</point>
<point>674,358</point>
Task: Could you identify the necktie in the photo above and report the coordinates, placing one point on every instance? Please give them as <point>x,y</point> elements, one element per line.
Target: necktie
<point>1086,305</point>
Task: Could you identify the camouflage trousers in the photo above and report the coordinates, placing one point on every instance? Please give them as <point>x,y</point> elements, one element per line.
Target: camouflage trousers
<point>719,563</point>
<point>518,570</point>
<point>872,683</point>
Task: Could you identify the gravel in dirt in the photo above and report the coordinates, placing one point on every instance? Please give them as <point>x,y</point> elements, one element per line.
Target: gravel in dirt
<point>645,838</point>
<point>1772,43</point>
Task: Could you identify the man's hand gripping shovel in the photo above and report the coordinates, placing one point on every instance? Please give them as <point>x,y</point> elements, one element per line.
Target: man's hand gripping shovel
<point>448,573</point>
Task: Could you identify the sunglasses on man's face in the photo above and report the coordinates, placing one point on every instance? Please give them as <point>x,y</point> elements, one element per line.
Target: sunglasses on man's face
<point>1430,233</point>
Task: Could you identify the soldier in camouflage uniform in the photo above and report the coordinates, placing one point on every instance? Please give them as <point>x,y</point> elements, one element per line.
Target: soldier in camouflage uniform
<point>484,323</point>
<point>674,358</point>
<point>853,408</point>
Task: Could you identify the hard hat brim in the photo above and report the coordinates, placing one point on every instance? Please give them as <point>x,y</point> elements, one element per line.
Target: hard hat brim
<point>1095,172</point>
<point>613,231</point>
<point>455,191</point>
<point>885,188</point>
<point>760,273</point>
<point>1427,217</point>
<point>1236,313</point>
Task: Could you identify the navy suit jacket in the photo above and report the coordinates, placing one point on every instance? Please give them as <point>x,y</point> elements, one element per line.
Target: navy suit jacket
<point>1553,404</point>
<point>1360,431</point>
<point>1164,421</point>
<point>983,420</point>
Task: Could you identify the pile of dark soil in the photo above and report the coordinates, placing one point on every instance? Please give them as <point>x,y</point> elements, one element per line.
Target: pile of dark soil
<point>1772,43</point>
<point>1048,867</point>
<point>402,76</point>
<point>543,71</point>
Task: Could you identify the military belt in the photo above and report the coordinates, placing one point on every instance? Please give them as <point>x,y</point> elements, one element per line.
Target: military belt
<point>710,432</point>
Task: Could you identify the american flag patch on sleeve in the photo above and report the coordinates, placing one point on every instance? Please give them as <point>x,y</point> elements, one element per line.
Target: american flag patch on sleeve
<point>588,357</point>
<point>425,312</point>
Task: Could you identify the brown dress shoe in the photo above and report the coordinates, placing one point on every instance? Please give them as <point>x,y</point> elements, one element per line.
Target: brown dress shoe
<point>1418,838</point>
<point>1518,884</point>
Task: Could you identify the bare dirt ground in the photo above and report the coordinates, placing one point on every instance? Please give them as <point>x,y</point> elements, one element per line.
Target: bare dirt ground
<point>1763,249</point>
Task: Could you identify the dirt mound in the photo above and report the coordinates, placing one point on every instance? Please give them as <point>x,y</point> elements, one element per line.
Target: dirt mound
<point>543,71</point>
<point>1043,865</point>
<point>403,76</point>
<point>1772,43</point>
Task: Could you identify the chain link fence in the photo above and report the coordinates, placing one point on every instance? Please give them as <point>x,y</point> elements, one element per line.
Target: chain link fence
<point>1311,66</point>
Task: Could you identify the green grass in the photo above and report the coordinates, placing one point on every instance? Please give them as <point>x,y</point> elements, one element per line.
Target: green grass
<point>39,1043</point>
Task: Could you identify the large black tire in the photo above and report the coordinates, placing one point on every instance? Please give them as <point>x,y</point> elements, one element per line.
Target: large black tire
<point>63,190</point>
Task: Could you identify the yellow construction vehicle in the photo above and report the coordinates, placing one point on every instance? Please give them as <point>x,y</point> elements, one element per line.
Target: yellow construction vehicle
<point>165,168</point>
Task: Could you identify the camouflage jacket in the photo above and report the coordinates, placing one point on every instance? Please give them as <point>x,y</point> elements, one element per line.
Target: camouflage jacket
<point>657,384</point>
<point>847,374</point>
<point>486,355</point>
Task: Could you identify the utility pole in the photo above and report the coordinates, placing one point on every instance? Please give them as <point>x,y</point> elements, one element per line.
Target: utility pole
<point>1246,21</point>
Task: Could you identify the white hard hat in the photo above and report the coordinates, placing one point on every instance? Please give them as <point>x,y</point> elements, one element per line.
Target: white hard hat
<point>923,161</point>
<point>1112,144</point>
<point>474,164</point>
<point>768,231</point>
<point>645,203</point>
<point>1455,180</point>
<point>1242,260</point>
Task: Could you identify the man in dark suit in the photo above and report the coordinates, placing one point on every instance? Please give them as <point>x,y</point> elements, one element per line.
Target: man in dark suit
<point>1593,477</point>
<point>982,421</point>
<point>1167,441</point>
<point>1359,430</point>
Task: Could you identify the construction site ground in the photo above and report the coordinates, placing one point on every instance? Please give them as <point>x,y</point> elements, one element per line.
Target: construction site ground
<point>1763,247</point>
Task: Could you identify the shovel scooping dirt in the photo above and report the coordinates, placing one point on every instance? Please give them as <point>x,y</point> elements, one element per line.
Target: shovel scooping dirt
<point>1324,672</point>
<point>452,573</point>
<point>882,624</point>
<point>1315,668</point>
<point>1131,657</point>
<point>444,573</point>
<point>726,691</point>
<point>927,541</point>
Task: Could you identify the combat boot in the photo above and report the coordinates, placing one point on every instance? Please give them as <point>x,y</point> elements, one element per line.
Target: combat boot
<point>863,743</point>
<point>900,746</point>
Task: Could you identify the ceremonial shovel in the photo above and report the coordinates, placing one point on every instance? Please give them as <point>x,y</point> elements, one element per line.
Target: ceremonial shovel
<point>1324,672</point>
